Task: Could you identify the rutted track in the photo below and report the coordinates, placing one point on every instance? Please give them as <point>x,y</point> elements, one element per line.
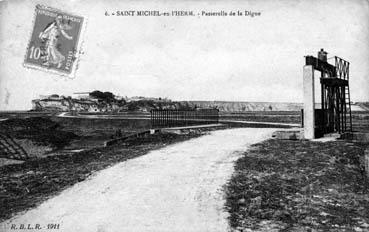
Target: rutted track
<point>177,188</point>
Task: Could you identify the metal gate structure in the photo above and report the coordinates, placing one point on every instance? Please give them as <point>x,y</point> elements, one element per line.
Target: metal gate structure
<point>335,113</point>
<point>172,118</point>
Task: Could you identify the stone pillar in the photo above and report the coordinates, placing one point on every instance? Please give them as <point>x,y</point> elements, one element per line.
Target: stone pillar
<point>309,102</point>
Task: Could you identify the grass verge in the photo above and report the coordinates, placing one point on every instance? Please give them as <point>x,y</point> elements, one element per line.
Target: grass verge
<point>282,185</point>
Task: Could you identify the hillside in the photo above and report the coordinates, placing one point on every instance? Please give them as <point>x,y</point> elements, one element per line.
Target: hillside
<point>98,101</point>
<point>228,106</point>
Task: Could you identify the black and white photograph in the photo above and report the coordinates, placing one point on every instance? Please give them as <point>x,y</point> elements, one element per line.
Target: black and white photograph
<point>184,116</point>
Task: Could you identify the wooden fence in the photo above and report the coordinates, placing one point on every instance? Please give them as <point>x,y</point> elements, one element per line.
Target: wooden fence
<point>172,118</point>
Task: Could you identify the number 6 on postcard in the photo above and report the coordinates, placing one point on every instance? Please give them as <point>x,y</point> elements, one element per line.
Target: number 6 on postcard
<point>55,41</point>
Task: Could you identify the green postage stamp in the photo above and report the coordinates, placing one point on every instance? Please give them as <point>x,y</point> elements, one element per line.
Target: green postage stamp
<point>55,41</point>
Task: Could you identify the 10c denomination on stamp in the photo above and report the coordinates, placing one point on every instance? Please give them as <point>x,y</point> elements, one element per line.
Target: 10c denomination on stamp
<point>55,41</point>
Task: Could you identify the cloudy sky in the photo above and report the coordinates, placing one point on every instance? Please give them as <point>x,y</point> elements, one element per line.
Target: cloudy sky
<point>190,58</point>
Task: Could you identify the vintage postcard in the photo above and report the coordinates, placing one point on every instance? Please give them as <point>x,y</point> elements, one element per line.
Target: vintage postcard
<point>184,116</point>
<point>55,41</point>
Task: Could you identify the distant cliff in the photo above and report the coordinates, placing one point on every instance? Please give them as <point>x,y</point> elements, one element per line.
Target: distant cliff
<point>228,106</point>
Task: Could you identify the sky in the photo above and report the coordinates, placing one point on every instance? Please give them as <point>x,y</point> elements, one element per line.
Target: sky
<point>229,58</point>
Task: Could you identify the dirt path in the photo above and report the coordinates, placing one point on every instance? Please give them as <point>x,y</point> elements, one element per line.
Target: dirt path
<point>177,188</point>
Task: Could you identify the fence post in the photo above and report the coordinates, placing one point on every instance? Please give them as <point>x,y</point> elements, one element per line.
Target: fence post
<point>151,118</point>
<point>366,161</point>
<point>166,118</point>
<point>185,117</point>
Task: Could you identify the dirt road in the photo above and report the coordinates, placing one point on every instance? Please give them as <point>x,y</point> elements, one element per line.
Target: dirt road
<point>177,188</point>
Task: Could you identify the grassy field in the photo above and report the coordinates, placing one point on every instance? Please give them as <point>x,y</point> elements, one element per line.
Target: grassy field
<point>299,185</point>
<point>287,185</point>
<point>48,135</point>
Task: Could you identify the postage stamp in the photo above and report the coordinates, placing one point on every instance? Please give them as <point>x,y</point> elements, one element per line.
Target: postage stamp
<point>55,41</point>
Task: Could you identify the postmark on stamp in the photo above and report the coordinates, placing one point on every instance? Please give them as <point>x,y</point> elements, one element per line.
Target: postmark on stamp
<point>55,41</point>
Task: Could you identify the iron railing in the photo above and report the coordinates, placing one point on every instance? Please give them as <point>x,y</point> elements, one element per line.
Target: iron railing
<point>172,118</point>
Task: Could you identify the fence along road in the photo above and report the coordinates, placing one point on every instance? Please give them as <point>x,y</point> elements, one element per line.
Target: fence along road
<point>176,188</point>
